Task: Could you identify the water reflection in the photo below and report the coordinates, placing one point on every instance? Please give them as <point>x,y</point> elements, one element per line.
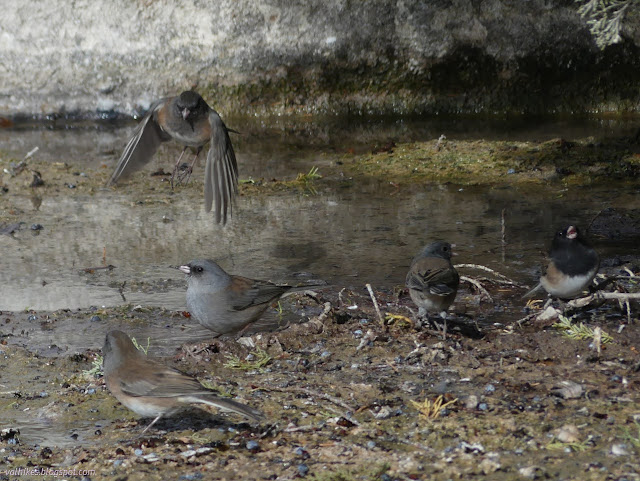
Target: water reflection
<point>367,233</point>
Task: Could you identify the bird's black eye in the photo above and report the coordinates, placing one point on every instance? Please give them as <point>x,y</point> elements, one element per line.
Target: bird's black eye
<point>198,269</point>
<point>445,248</point>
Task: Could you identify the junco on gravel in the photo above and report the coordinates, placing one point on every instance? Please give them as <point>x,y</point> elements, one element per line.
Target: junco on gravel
<point>152,389</point>
<point>573,265</point>
<point>432,280</point>
<point>229,304</point>
<point>188,120</point>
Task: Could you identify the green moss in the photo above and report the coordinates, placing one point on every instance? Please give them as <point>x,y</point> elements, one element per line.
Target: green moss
<point>485,162</point>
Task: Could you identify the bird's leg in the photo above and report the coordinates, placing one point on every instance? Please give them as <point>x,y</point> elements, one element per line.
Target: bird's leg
<point>193,163</point>
<point>443,315</point>
<point>175,168</point>
<point>152,423</point>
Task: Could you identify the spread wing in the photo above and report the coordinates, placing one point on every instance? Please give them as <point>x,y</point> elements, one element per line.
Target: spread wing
<point>221,171</point>
<point>143,144</point>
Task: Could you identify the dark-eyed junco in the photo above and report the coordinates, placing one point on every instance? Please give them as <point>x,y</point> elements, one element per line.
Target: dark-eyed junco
<point>432,280</point>
<point>188,120</point>
<point>228,304</point>
<point>573,264</point>
<point>152,389</point>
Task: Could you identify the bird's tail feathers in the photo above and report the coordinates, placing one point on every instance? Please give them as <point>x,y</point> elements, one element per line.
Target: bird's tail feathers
<point>532,291</point>
<point>227,405</point>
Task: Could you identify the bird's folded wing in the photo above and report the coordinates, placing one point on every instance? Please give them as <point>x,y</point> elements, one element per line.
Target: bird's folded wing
<point>440,282</point>
<point>143,144</point>
<point>221,170</point>
<point>255,293</point>
<point>165,382</point>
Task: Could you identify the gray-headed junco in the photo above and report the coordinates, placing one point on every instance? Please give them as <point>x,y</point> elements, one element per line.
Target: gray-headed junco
<point>229,304</point>
<point>152,389</point>
<point>573,264</point>
<point>188,120</point>
<point>432,280</point>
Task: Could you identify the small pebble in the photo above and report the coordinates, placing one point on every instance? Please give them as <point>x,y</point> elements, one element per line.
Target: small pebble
<point>357,333</point>
<point>483,406</point>
<point>385,477</point>
<point>32,317</point>
<point>252,445</point>
<point>383,413</point>
<point>117,462</point>
<point>191,476</point>
<point>371,444</point>
<point>616,378</point>
<point>90,391</point>
<point>299,451</point>
<point>531,472</point>
<point>36,227</point>
<point>138,452</point>
<point>471,402</point>
<point>95,319</point>
<point>619,450</point>
<point>364,322</point>
<point>325,354</point>
<point>44,394</point>
<point>511,171</point>
<point>489,388</point>
<point>303,469</point>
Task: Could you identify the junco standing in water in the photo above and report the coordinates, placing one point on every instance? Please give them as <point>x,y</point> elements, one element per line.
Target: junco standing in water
<point>188,120</point>
<point>225,303</point>
<point>572,266</point>
<point>432,280</point>
<point>152,389</point>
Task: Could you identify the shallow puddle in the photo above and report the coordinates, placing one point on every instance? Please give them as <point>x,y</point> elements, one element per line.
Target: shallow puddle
<point>366,231</point>
<point>365,234</point>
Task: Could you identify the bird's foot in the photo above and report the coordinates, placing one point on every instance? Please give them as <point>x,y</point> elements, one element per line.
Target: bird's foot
<point>187,169</point>
<point>175,168</point>
<point>185,173</point>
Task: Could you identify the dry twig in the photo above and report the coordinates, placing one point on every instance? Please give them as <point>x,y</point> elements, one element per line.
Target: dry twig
<point>375,304</point>
<point>502,279</point>
<point>477,285</point>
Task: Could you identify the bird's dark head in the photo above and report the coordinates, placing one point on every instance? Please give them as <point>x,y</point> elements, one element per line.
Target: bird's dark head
<point>191,106</point>
<point>571,232</point>
<point>204,270</point>
<point>438,249</point>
